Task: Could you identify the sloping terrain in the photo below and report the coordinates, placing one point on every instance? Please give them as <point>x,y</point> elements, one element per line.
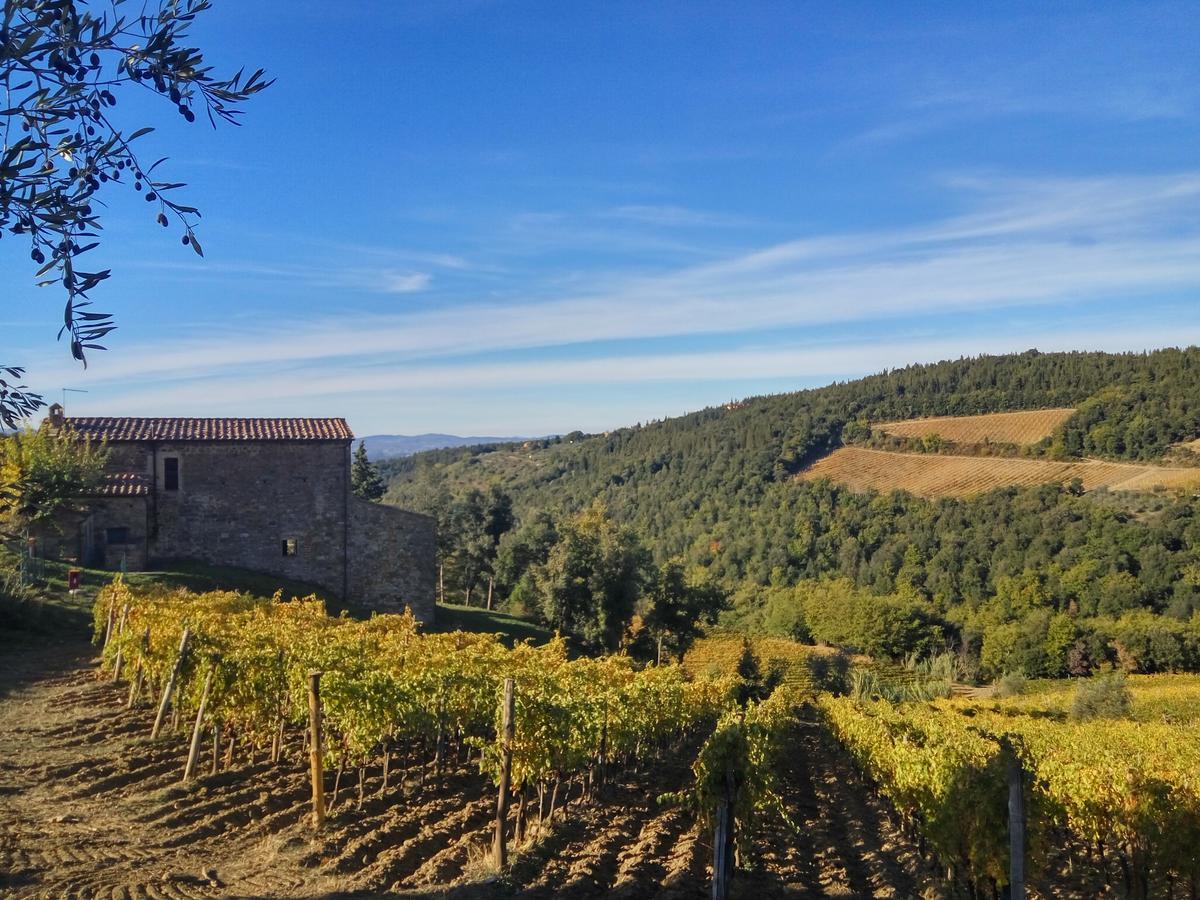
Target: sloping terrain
<point>938,475</point>
<point>725,476</point>
<point>998,428</point>
<point>89,807</point>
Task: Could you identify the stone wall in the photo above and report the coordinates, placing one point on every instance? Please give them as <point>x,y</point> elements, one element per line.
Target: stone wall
<point>59,537</point>
<point>83,535</point>
<point>393,558</point>
<point>239,502</point>
<point>129,513</point>
<point>242,503</point>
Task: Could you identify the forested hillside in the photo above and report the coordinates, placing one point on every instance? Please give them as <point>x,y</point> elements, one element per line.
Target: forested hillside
<point>716,489</point>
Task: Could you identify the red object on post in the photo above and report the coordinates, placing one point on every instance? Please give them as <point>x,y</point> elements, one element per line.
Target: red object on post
<point>74,577</point>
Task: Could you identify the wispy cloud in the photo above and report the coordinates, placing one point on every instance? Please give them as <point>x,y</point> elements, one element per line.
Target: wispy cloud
<point>1021,243</point>
<point>1042,88</point>
<point>797,362</point>
<point>404,282</point>
<point>371,279</point>
<point>675,217</point>
<point>633,231</point>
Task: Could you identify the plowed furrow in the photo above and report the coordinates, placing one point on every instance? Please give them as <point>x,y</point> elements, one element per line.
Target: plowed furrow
<point>642,865</point>
<point>446,865</point>
<point>149,777</point>
<point>687,876</point>
<point>190,809</point>
<point>594,865</point>
<point>862,826</point>
<point>396,864</point>
<point>397,826</point>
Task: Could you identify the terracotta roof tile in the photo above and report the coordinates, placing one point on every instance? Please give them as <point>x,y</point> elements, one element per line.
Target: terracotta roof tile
<point>123,484</point>
<point>124,428</point>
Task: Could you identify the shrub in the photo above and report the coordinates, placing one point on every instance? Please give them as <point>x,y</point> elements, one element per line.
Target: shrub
<point>1011,684</point>
<point>864,685</point>
<point>1106,696</point>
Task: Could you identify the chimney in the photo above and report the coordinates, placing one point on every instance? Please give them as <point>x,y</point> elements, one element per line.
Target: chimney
<point>56,415</point>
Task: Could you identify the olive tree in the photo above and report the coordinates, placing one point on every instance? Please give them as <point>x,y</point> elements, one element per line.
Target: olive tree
<point>63,66</point>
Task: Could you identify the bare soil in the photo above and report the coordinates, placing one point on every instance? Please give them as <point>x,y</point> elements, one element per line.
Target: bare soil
<point>90,807</point>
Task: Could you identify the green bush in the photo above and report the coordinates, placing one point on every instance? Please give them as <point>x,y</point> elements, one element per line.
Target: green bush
<point>1011,684</point>
<point>1105,696</point>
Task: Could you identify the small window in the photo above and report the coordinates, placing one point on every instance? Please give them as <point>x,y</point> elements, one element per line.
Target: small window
<point>171,473</point>
<point>117,536</point>
<point>289,547</point>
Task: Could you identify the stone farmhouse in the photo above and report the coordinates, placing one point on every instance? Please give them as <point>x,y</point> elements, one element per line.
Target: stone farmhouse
<point>271,495</point>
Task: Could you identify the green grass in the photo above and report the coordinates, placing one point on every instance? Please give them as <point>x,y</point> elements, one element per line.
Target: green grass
<point>200,577</point>
<point>452,617</point>
<point>47,606</point>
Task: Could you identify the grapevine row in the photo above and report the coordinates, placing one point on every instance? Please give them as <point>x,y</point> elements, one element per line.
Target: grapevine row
<point>1126,794</point>
<point>387,684</point>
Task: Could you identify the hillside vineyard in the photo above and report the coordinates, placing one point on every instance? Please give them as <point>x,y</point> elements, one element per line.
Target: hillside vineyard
<point>941,475</point>
<point>247,669</point>
<point>997,428</point>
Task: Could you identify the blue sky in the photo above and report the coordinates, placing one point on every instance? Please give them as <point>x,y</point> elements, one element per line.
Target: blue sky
<point>524,218</point>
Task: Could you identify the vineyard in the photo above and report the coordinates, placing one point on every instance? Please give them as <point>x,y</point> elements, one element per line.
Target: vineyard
<point>616,775</point>
<point>212,758</point>
<point>245,666</point>
<point>1109,804</point>
<point>937,475</point>
<point>997,428</point>
<point>1165,699</point>
<point>803,670</point>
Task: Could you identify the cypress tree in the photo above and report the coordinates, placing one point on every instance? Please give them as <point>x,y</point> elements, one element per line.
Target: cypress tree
<point>365,480</point>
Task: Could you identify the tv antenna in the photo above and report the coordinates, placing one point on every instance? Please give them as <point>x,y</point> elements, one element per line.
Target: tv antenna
<point>66,391</point>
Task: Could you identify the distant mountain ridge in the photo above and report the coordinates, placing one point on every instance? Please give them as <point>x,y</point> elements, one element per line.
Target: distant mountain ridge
<point>389,446</point>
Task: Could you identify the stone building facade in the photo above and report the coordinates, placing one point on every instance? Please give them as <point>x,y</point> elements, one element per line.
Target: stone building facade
<point>271,495</point>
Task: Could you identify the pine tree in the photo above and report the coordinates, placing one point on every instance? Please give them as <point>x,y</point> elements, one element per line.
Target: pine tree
<point>365,480</point>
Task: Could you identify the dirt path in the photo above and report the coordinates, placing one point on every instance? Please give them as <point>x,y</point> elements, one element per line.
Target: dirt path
<point>89,807</point>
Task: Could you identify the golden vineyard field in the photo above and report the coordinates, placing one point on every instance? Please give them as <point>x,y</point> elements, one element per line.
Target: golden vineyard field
<point>802,667</point>
<point>998,428</point>
<point>932,475</point>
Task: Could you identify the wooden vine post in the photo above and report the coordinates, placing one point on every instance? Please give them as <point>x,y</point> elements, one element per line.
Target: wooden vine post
<point>723,837</point>
<point>135,685</point>
<point>315,748</point>
<point>216,750</point>
<point>277,737</point>
<point>169,687</point>
<point>1016,824</point>
<point>108,627</point>
<point>507,732</point>
<point>189,770</point>
<point>116,673</point>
